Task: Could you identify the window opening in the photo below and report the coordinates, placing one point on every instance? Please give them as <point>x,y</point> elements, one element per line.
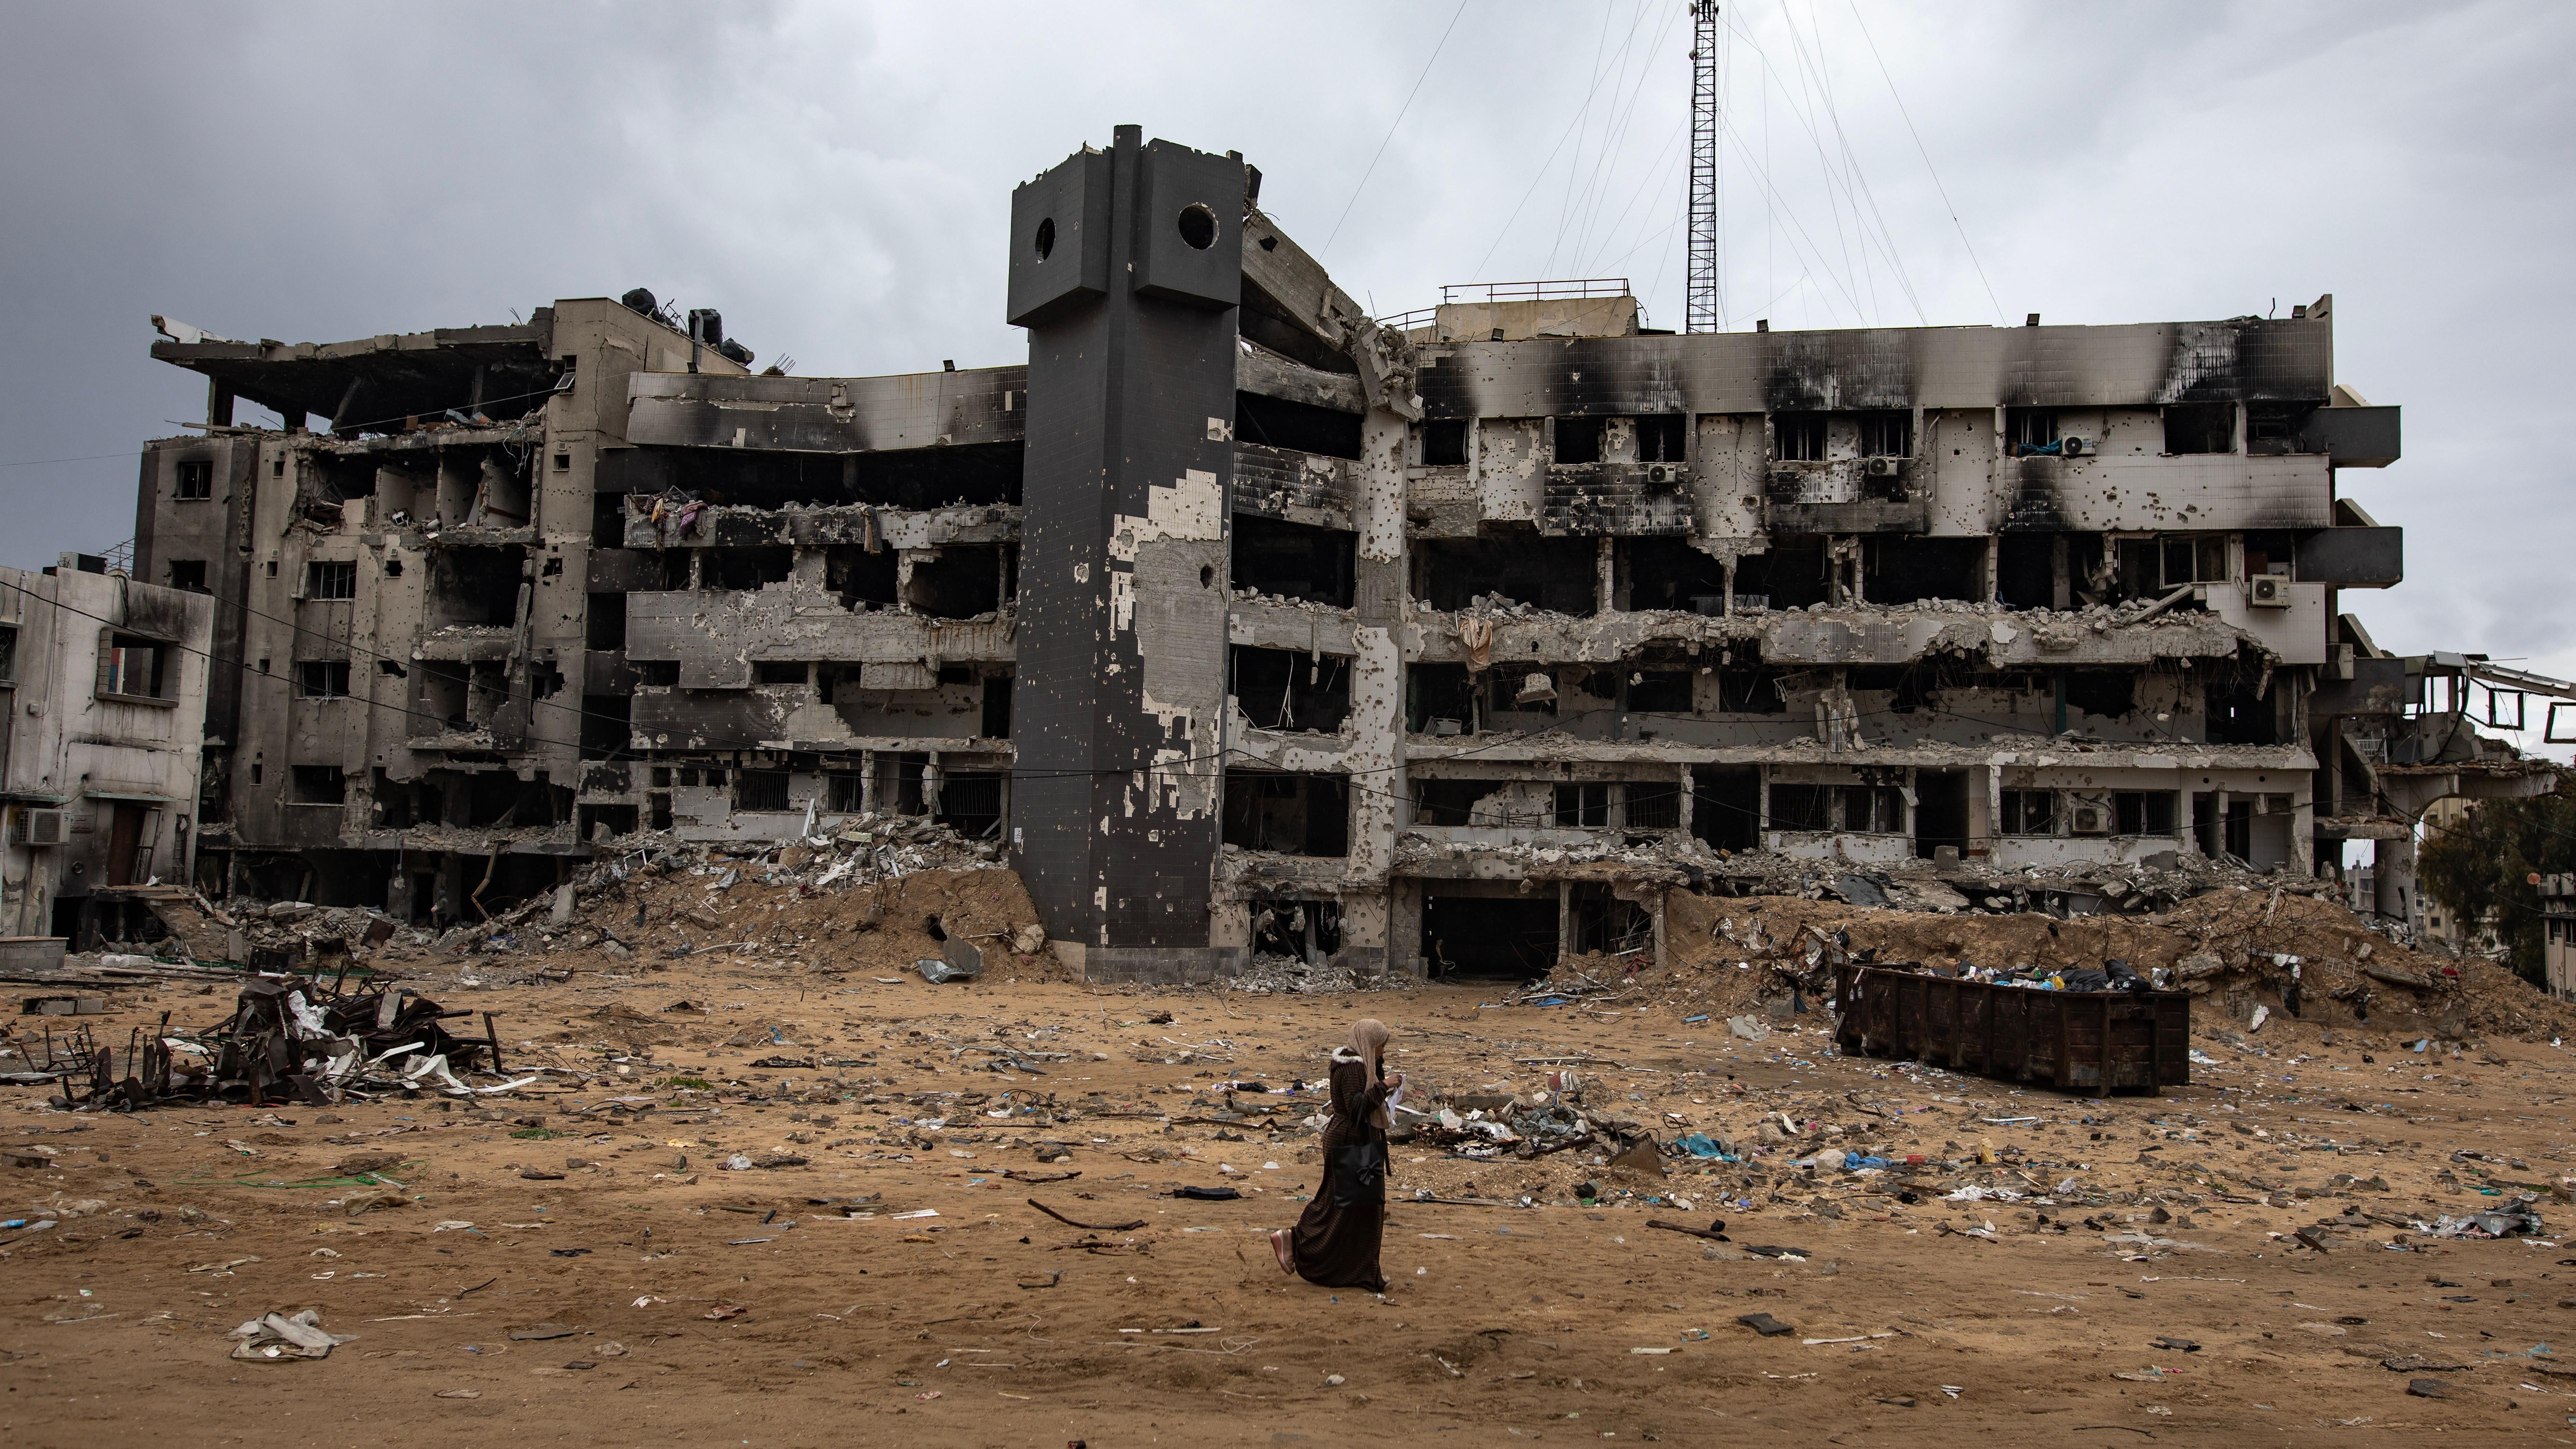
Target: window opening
<point>1887,435</point>
<point>2200,428</point>
<point>2030,431</point>
<point>1798,437</point>
<point>2030,812</point>
<point>324,579</point>
<point>322,678</point>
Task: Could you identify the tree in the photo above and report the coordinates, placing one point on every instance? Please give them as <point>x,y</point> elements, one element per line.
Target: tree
<point>2481,869</point>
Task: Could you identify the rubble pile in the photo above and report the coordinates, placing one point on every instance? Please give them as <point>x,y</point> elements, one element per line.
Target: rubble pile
<point>280,933</point>
<point>653,880</point>
<point>1272,971</point>
<point>2297,953</point>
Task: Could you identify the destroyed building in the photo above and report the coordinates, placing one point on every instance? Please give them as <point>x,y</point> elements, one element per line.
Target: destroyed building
<point>1244,621</point>
<point>103,686</point>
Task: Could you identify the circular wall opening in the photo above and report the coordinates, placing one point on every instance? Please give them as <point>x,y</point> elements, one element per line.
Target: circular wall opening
<point>1046,238</point>
<point>1207,576</point>
<point>1198,226</point>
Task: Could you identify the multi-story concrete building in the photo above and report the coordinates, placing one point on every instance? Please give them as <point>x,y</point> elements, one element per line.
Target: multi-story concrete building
<point>2558,934</point>
<point>1244,619</point>
<point>103,686</point>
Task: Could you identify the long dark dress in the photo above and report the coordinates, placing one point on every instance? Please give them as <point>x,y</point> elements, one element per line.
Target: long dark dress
<point>1337,1247</point>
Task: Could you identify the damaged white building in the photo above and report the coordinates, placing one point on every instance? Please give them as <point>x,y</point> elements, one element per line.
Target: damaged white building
<point>1245,621</point>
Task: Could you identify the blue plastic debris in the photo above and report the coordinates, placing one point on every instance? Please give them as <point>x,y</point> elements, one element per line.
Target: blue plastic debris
<point>1854,1162</point>
<point>1694,1020</point>
<point>1698,1144</point>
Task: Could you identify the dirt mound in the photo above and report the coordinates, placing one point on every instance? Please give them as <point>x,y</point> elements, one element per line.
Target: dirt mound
<point>2235,948</point>
<point>655,918</point>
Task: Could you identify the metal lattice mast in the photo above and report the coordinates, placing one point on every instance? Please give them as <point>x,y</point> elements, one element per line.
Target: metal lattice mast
<point>1703,309</point>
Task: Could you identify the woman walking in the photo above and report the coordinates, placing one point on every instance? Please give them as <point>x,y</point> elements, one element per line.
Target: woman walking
<point>1335,1244</point>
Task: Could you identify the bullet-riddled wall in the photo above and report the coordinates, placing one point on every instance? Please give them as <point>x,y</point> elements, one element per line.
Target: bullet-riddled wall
<point>1125,269</point>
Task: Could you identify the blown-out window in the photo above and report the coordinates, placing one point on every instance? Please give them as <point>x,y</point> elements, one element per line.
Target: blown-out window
<point>133,667</point>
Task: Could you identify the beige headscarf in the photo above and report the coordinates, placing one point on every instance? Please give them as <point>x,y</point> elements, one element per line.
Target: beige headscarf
<point>1368,1042</point>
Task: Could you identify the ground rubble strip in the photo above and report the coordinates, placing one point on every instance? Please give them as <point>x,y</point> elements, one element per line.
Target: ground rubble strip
<point>710,1151</point>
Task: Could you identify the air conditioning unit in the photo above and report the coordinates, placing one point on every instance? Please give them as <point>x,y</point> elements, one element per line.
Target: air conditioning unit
<point>2077,447</point>
<point>1882,467</point>
<point>1536,689</point>
<point>2087,819</point>
<point>41,827</point>
<point>2268,591</point>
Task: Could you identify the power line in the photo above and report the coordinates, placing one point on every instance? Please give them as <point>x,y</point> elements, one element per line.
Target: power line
<point>1541,174</point>
<point>1926,154</point>
<point>1390,130</point>
<point>1614,134</point>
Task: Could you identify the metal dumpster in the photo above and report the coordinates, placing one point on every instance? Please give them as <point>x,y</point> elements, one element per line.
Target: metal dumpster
<point>2093,1042</point>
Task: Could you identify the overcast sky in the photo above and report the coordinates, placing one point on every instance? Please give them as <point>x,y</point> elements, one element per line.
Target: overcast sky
<point>836,178</point>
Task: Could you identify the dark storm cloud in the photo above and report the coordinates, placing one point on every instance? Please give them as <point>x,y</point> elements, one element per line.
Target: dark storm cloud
<point>836,180</point>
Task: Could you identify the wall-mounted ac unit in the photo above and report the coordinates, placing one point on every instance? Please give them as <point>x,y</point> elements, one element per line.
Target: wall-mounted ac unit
<point>1882,467</point>
<point>2076,447</point>
<point>2268,591</point>
<point>40,827</point>
<point>2089,819</point>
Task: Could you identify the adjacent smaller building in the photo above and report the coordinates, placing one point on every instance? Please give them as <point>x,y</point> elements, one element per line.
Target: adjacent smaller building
<point>2558,934</point>
<point>102,713</point>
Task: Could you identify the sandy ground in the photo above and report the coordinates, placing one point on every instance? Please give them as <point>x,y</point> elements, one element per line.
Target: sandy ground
<point>677,1300</point>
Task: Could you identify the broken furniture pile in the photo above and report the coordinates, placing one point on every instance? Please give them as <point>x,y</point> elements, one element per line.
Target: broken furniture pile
<point>288,1038</point>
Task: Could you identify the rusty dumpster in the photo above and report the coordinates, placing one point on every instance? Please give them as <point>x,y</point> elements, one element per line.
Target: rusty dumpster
<point>2093,1042</point>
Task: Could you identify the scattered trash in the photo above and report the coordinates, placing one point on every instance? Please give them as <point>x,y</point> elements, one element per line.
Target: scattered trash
<point>1764,1324</point>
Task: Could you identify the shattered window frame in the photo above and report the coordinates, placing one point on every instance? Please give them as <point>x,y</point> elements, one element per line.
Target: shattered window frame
<point>321,679</point>
<point>2024,809</point>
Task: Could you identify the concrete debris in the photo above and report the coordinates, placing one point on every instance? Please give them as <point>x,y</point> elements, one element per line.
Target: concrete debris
<point>275,1336</point>
<point>1271,971</point>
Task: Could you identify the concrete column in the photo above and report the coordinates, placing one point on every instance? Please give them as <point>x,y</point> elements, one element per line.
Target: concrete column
<point>867,782</point>
<point>1404,926</point>
<point>1605,588</point>
<point>1688,801</point>
<point>1126,271</point>
<point>1375,756</point>
<point>1564,921</point>
<point>2393,890</point>
<point>2303,833</point>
